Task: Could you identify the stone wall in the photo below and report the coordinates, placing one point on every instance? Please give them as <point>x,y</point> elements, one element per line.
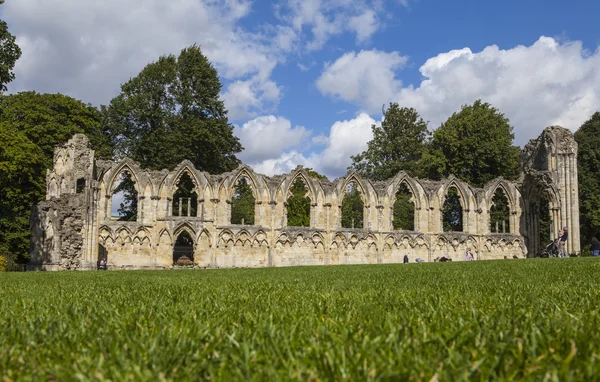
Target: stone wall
<point>74,226</point>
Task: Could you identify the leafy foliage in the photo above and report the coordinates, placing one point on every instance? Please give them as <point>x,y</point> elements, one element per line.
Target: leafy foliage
<point>128,208</point>
<point>536,321</point>
<point>475,145</point>
<point>243,203</point>
<point>404,210</point>
<point>500,212</point>
<point>397,145</point>
<point>314,174</point>
<point>171,111</point>
<point>452,213</point>
<point>588,140</point>
<point>31,125</point>
<point>352,208</point>
<point>9,54</point>
<point>298,205</point>
<point>185,194</point>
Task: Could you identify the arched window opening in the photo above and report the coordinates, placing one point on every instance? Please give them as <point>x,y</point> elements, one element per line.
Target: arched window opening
<point>243,203</point>
<point>545,220</point>
<point>183,251</point>
<point>298,205</point>
<point>353,207</point>
<point>500,212</point>
<point>80,185</point>
<point>124,205</point>
<point>404,209</point>
<point>185,199</point>
<point>452,211</point>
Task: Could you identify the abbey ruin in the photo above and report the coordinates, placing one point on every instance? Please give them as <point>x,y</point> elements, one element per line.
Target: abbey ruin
<point>74,227</point>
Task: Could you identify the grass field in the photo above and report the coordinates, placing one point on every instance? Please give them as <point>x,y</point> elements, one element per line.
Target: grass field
<point>532,319</point>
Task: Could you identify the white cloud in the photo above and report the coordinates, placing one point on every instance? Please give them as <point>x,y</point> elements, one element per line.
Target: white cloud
<point>285,163</point>
<point>364,25</point>
<point>86,49</point>
<point>534,86</point>
<point>366,78</point>
<point>264,138</point>
<point>345,138</point>
<point>332,17</point>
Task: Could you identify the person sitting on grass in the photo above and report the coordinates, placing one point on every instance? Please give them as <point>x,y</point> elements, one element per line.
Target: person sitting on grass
<point>595,247</point>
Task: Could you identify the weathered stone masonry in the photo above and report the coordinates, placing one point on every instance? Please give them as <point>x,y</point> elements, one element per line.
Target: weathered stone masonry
<point>73,226</point>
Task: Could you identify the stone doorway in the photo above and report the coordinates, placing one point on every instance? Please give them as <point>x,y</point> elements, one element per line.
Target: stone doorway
<point>183,251</point>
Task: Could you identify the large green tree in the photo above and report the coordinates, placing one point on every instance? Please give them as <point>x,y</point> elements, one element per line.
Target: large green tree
<point>588,168</point>
<point>398,144</point>
<point>31,126</point>
<point>298,205</point>
<point>243,203</point>
<point>475,144</point>
<point>171,111</point>
<point>9,54</point>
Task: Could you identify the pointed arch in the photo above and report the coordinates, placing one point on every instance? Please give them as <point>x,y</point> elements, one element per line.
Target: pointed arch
<point>352,204</point>
<point>185,226</point>
<point>314,193</point>
<point>412,184</point>
<point>404,207</point>
<point>125,165</point>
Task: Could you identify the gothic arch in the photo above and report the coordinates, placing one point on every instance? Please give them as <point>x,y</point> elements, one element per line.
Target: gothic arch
<point>414,187</point>
<point>366,191</point>
<point>289,180</point>
<point>185,227</point>
<point>126,165</point>
<point>259,189</point>
<point>465,201</point>
<point>509,190</point>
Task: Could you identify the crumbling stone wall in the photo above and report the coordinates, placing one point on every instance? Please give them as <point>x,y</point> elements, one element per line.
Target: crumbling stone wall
<point>70,230</point>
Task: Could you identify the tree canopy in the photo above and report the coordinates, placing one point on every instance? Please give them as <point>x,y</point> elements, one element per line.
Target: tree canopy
<point>298,205</point>
<point>398,144</point>
<point>243,203</point>
<point>475,144</point>
<point>171,111</point>
<point>31,126</point>
<point>9,54</point>
<point>588,168</point>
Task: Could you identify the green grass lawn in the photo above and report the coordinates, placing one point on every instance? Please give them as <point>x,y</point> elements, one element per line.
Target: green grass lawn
<point>532,319</point>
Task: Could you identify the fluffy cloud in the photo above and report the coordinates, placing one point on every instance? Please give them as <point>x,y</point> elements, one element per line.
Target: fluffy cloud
<point>332,17</point>
<point>264,138</point>
<point>534,86</point>
<point>345,138</point>
<point>367,78</point>
<point>88,48</point>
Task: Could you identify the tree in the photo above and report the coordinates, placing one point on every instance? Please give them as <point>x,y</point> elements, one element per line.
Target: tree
<point>298,205</point>
<point>31,126</point>
<point>242,204</point>
<point>452,212</point>
<point>588,168</point>
<point>403,210</point>
<point>22,184</point>
<point>9,54</point>
<point>352,208</point>
<point>171,111</point>
<point>314,174</point>
<point>475,145</point>
<point>398,144</point>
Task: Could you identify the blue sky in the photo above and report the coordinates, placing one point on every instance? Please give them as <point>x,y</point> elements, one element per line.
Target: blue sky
<point>304,80</point>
